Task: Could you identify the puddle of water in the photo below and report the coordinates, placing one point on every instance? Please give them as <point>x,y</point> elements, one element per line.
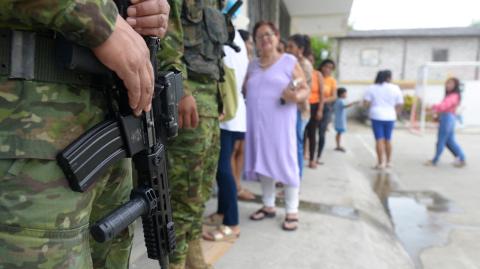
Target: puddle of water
<point>414,216</point>
<point>416,226</point>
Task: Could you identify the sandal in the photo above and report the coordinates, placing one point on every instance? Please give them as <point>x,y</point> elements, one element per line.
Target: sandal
<point>222,233</point>
<point>290,221</point>
<point>262,214</point>
<point>213,220</point>
<point>245,195</point>
<point>378,167</point>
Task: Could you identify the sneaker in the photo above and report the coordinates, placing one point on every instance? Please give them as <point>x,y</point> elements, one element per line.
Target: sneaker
<point>429,163</point>
<point>459,164</point>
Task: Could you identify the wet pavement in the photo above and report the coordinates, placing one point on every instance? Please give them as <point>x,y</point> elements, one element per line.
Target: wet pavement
<point>351,216</point>
<point>433,209</point>
<point>414,215</point>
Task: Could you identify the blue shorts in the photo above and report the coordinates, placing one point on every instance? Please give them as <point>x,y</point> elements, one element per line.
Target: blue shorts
<point>340,130</point>
<point>383,129</point>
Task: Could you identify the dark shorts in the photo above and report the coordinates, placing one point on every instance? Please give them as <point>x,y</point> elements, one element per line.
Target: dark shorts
<point>237,135</point>
<point>383,129</point>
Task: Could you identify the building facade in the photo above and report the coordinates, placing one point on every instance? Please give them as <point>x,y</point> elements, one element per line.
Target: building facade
<point>362,53</point>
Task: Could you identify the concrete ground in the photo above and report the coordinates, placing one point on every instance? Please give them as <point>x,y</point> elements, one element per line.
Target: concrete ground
<point>432,220</point>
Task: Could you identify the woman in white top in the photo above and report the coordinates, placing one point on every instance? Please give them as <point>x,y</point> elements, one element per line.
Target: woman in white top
<point>384,100</point>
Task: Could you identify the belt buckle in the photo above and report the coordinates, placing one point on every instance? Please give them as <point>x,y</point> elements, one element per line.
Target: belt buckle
<point>22,55</point>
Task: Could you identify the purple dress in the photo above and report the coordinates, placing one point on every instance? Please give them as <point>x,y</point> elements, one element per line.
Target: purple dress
<point>270,141</point>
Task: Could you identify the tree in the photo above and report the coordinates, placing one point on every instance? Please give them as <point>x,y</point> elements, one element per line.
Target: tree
<point>321,49</point>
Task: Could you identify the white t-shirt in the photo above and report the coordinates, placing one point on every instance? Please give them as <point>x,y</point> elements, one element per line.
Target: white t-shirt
<point>383,98</point>
<point>239,62</point>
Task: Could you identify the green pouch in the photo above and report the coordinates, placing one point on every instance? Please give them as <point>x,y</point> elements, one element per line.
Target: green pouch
<point>228,92</point>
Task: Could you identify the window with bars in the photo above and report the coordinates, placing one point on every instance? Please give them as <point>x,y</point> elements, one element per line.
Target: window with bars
<point>440,55</point>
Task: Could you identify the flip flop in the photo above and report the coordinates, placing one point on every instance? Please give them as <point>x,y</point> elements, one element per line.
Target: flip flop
<point>378,167</point>
<point>290,220</point>
<point>264,214</point>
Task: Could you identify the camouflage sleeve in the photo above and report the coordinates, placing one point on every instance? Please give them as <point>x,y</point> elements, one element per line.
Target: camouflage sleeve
<point>85,22</point>
<point>170,56</point>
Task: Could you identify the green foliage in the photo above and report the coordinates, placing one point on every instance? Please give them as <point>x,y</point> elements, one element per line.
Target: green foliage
<point>320,45</point>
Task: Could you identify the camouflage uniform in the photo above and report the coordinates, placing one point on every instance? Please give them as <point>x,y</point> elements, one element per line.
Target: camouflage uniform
<point>193,154</point>
<point>43,223</point>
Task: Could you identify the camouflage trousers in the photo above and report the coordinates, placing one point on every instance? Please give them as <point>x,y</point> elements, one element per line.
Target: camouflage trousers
<point>44,224</point>
<point>192,158</point>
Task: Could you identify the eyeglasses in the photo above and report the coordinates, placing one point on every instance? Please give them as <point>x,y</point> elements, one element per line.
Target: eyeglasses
<point>267,34</point>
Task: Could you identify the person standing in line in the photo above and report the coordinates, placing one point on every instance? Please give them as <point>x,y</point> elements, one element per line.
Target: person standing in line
<point>270,142</point>
<point>231,132</point>
<point>282,46</point>
<point>43,222</point>
<point>316,114</point>
<point>247,37</point>
<point>299,46</point>
<point>238,155</point>
<point>385,101</point>
<point>446,129</point>
<point>339,109</point>
<point>329,91</point>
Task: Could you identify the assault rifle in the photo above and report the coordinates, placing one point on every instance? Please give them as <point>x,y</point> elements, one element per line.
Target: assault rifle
<point>126,136</point>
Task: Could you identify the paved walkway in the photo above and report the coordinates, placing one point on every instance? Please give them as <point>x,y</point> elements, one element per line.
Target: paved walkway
<point>344,223</point>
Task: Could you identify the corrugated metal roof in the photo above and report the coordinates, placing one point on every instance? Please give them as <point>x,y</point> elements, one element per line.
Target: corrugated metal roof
<point>426,32</point>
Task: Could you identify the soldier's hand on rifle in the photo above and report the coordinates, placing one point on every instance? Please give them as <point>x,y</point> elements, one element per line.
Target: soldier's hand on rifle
<point>126,53</point>
<point>187,112</point>
<point>149,17</point>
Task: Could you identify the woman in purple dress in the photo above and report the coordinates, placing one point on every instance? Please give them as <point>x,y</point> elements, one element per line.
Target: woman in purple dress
<point>275,84</point>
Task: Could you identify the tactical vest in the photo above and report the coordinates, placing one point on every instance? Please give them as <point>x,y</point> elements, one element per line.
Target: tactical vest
<point>205,33</point>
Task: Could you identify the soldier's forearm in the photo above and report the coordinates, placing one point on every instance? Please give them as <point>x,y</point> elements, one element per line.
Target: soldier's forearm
<point>88,22</point>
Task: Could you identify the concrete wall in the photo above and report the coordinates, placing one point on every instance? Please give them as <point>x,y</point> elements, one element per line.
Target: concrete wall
<point>350,67</point>
<point>404,56</point>
<point>419,51</point>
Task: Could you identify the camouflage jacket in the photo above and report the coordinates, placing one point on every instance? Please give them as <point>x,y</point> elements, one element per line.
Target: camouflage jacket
<point>38,119</point>
<point>171,57</point>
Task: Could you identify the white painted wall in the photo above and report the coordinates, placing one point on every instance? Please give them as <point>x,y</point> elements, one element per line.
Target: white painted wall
<point>418,52</point>
<point>350,67</point>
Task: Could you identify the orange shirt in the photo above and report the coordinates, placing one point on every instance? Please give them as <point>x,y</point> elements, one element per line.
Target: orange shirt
<point>329,86</point>
<point>314,96</point>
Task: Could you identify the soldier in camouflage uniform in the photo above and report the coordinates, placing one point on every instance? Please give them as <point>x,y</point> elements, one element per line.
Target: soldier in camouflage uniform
<point>193,154</point>
<point>43,223</point>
